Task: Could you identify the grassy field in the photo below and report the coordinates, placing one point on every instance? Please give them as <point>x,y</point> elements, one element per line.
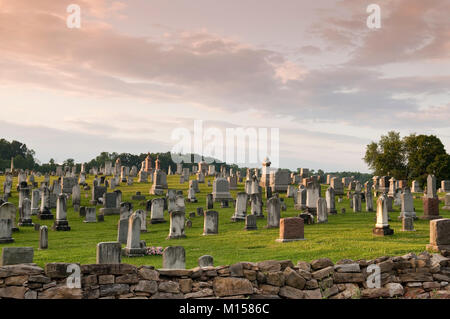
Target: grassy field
<point>346,235</point>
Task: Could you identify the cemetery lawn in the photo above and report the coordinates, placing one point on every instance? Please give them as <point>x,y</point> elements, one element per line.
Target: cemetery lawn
<point>346,235</point>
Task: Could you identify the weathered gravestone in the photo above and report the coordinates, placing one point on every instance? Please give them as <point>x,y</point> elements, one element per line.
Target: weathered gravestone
<point>177,225</point>
<point>43,237</point>
<point>109,204</point>
<point>382,226</point>
<point>209,201</point>
<point>8,211</point>
<point>35,195</point>
<point>439,235</point>
<point>25,214</point>
<point>157,211</point>
<point>61,223</point>
<point>322,211</point>
<point>5,230</point>
<point>221,190</point>
<point>241,207</point>
<point>97,193</point>
<point>76,197</point>
<point>330,200</point>
<point>16,255</point>
<point>90,214</point>
<point>407,204</point>
<point>312,194</point>
<point>211,223</point>
<point>273,212</point>
<point>109,253</point>
<point>206,261</point>
<point>356,199</point>
<point>256,205</point>
<point>174,257</point>
<point>122,230</point>
<point>134,246</point>
<point>407,223</point>
<point>446,202</point>
<point>250,222</point>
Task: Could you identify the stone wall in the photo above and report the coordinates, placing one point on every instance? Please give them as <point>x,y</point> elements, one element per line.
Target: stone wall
<point>409,276</point>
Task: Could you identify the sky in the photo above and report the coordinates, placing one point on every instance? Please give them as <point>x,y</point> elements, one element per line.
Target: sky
<point>137,70</point>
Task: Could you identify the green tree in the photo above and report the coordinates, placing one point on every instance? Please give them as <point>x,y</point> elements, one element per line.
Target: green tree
<point>387,157</point>
<point>413,157</point>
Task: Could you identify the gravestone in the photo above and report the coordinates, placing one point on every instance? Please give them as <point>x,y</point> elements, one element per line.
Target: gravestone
<point>279,180</point>
<point>232,180</point>
<point>446,202</point>
<point>256,205</point>
<point>138,196</point>
<point>209,201</point>
<point>191,195</point>
<point>439,235</point>
<point>211,223</point>
<point>273,212</point>
<point>109,204</point>
<point>90,214</point>
<point>82,211</point>
<point>382,226</point>
<point>157,211</point>
<point>312,194</point>
<point>134,247</point>
<point>301,198</point>
<point>76,197</point>
<point>109,253</point>
<point>43,237</point>
<point>369,200</point>
<point>97,192</point>
<point>143,177</point>
<point>291,229</point>
<point>122,230</point>
<point>221,190</point>
<point>16,255</point>
<point>174,257</point>
<point>322,211</point>
<point>35,195</point>
<point>356,203</point>
<point>180,203</point>
<point>250,222</point>
<point>445,186</point>
<point>25,214</point>
<point>67,184</point>
<point>407,204</point>
<point>159,182</point>
<point>407,223</point>
<point>126,209</point>
<point>61,223</point>
<point>330,200</point>
<point>194,184</point>
<point>205,261</point>
<point>177,224</point>
<point>143,215</point>
<point>241,207</point>
<point>45,213</point>
<point>200,177</point>
<point>6,225</point>
<point>415,187</point>
<point>431,201</point>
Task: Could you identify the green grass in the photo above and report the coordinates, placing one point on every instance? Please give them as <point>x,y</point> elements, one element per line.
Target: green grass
<point>344,236</point>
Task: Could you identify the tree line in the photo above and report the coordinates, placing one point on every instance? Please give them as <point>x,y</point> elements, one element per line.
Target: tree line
<point>412,157</point>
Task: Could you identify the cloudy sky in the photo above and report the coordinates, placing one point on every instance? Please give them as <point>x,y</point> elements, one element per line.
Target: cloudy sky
<point>138,69</point>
